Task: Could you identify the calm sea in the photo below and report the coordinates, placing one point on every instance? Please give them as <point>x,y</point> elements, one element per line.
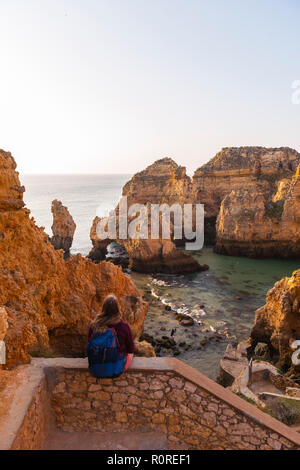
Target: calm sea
<point>85,196</point>
<point>230,291</point>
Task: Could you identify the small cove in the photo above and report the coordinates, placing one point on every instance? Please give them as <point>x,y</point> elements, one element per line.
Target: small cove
<point>230,291</point>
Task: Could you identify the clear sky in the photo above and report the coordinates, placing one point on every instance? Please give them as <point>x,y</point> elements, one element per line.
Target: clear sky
<point>109,86</point>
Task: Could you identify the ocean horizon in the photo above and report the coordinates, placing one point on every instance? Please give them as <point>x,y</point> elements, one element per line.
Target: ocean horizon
<point>85,195</point>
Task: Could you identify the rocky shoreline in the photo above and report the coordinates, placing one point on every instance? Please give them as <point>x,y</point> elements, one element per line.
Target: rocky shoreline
<point>176,329</point>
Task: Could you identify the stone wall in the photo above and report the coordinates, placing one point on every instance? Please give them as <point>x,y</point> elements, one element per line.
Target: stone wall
<point>32,433</point>
<point>161,395</point>
<point>167,396</point>
<point>25,417</point>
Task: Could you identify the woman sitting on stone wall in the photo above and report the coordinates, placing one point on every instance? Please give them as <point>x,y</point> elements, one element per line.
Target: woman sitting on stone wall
<point>111,345</point>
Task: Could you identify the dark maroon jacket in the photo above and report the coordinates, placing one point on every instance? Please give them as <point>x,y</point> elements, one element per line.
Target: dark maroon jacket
<point>125,338</point>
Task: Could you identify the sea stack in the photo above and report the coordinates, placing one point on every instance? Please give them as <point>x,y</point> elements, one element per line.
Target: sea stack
<point>63,227</point>
<point>162,182</point>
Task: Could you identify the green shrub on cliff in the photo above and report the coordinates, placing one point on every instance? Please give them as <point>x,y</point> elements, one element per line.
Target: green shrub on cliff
<point>274,210</point>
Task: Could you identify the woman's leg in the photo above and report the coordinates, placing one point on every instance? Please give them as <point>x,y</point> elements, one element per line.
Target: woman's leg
<point>128,360</point>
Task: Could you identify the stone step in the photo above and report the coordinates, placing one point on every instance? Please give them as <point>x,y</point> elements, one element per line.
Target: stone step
<point>106,441</point>
<point>296,428</point>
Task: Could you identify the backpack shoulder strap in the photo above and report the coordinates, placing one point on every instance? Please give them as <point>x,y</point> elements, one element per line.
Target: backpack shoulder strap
<point>116,337</point>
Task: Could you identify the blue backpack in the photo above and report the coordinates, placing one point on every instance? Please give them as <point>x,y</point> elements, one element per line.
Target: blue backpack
<point>103,355</point>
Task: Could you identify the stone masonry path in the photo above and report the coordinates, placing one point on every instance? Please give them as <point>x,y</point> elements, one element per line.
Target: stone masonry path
<point>106,441</point>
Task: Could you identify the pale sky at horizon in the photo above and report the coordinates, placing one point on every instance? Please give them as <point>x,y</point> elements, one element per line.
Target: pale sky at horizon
<point>109,86</point>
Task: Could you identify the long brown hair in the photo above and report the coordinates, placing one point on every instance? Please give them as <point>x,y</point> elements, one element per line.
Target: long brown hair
<point>110,315</point>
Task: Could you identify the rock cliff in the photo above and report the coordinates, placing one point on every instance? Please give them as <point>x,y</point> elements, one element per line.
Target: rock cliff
<point>255,169</point>
<point>162,182</point>
<point>251,202</point>
<point>261,222</point>
<point>49,302</point>
<point>278,321</point>
<point>152,256</point>
<point>63,227</point>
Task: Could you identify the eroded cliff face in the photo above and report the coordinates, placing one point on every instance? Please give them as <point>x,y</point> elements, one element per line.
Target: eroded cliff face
<point>278,321</point>
<point>162,182</point>
<point>49,302</point>
<point>260,223</point>
<point>255,169</point>
<point>250,197</point>
<point>236,168</point>
<point>63,227</point>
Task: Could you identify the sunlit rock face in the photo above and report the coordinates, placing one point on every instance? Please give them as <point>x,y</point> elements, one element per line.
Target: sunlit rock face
<point>3,323</point>
<point>260,222</point>
<point>278,321</point>
<point>151,256</point>
<point>48,301</point>
<point>99,250</point>
<point>255,169</point>
<point>63,227</point>
<point>163,182</point>
<point>144,349</point>
<point>250,201</point>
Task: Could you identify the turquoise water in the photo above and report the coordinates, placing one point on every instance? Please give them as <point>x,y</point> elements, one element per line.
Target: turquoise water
<point>229,294</point>
<point>216,289</point>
